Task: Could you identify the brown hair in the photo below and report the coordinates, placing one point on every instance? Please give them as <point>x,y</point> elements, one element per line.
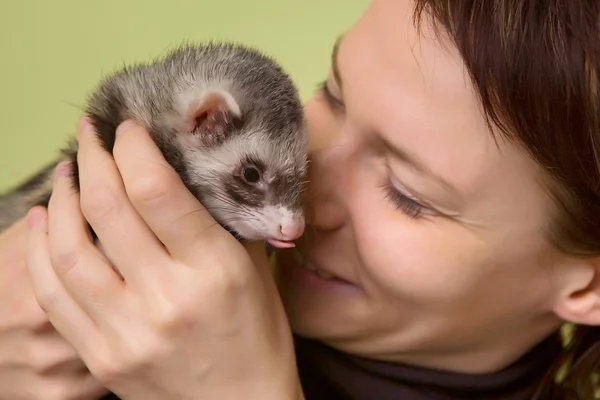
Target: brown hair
<point>535,65</point>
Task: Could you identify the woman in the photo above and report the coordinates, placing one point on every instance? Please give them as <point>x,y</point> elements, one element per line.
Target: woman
<point>455,218</point>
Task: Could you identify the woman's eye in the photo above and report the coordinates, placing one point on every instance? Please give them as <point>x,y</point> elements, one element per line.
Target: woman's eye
<point>407,205</point>
<point>334,103</point>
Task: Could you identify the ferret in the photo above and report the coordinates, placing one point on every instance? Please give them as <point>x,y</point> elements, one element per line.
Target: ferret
<point>226,117</point>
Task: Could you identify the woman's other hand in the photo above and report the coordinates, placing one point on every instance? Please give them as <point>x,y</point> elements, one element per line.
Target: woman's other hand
<point>195,314</point>
<point>36,362</point>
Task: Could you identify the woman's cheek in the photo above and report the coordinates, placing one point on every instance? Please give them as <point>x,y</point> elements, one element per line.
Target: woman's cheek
<point>420,261</point>
<point>320,124</point>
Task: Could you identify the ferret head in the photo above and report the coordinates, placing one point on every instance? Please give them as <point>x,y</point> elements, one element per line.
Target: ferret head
<point>242,137</point>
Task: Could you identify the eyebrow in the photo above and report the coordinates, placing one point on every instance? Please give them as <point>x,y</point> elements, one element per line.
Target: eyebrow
<point>407,157</point>
<point>414,161</point>
<point>334,62</point>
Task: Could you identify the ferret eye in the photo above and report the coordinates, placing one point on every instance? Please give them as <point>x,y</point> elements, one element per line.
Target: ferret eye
<point>251,174</point>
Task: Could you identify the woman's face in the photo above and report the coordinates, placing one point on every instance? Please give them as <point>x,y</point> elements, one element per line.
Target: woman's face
<point>431,226</point>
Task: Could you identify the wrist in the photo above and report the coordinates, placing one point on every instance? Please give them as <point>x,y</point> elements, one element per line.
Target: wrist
<point>255,392</point>
<point>280,385</point>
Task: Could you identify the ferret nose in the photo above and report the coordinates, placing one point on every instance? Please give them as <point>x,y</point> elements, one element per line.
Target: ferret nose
<point>292,229</point>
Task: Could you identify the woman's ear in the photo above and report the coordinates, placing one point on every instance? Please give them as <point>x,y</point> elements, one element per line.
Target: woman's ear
<point>578,299</point>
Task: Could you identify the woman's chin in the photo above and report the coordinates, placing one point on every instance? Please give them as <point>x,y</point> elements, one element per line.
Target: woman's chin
<point>317,305</point>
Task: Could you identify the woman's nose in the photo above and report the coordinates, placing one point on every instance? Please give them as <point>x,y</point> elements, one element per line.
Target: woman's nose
<point>328,171</point>
<point>328,189</point>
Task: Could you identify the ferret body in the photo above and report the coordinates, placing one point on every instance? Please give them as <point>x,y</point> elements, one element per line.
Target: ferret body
<point>227,118</point>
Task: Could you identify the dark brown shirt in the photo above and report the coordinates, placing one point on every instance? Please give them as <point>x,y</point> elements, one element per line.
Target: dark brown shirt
<point>328,374</point>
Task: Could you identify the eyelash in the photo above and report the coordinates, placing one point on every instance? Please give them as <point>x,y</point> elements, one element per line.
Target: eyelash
<point>334,103</point>
<point>402,202</point>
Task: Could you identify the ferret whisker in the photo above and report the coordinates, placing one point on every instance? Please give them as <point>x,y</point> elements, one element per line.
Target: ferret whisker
<point>328,148</point>
<point>78,107</point>
<point>310,230</point>
<point>215,159</point>
<point>230,202</point>
<point>309,192</point>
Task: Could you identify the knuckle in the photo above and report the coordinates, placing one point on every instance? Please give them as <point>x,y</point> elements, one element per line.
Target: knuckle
<point>110,369</point>
<point>38,321</point>
<point>64,258</point>
<point>33,319</point>
<point>58,390</point>
<point>99,203</point>
<point>176,313</point>
<point>48,298</point>
<point>225,289</point>
<point>42,358</point>
<point>229,281</point>
<point>54,391</point>
<point>230,271</point>
<point>105,369</point>
<point>39,362</point>
<point>150,188</point>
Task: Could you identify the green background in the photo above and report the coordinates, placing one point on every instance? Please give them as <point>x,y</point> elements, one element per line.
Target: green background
<point>55,52</point>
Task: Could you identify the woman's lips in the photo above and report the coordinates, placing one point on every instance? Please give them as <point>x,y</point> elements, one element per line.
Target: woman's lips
<point>311,277</point>
<point>304,263</point>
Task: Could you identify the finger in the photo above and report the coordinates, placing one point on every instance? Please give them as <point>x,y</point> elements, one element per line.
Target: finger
<point>49,353</point>
<point>64,314</point>
<point>20,310</point>
<point>125,237</point>
<point>258,254</point>
<point>174,214</point>
<point>17,384</point>
<point>82,269</point>
<point>81,385</point>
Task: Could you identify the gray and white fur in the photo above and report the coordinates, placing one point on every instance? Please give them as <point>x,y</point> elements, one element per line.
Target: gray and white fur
<point>226,117</point>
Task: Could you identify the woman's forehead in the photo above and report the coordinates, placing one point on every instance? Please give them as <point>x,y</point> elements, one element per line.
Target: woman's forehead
<point>412,89</point>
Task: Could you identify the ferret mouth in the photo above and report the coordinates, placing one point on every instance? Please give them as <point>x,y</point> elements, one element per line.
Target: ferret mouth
<point>273,242</point>
<point>280,244</point>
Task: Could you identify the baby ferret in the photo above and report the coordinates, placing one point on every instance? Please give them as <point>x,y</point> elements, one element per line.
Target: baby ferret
<point>226,117</point>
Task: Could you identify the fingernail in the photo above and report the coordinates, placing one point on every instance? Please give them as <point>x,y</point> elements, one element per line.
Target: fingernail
<point>63,169</point>
<point>125,126</point>
<point>85,125</point>
<point>36,218</point>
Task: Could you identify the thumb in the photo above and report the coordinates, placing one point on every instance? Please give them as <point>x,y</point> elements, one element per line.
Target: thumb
<point>263,263</point>
<point>258,253</point>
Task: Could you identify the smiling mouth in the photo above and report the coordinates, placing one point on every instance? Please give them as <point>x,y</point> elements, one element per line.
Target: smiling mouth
<point>304,263</point>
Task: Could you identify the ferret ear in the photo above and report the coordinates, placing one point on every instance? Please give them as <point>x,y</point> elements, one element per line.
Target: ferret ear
<point>210,116</point>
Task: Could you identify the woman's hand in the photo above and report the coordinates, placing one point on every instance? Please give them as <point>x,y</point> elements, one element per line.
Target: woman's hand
<point>36,362</point>
<point>195,315</point>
